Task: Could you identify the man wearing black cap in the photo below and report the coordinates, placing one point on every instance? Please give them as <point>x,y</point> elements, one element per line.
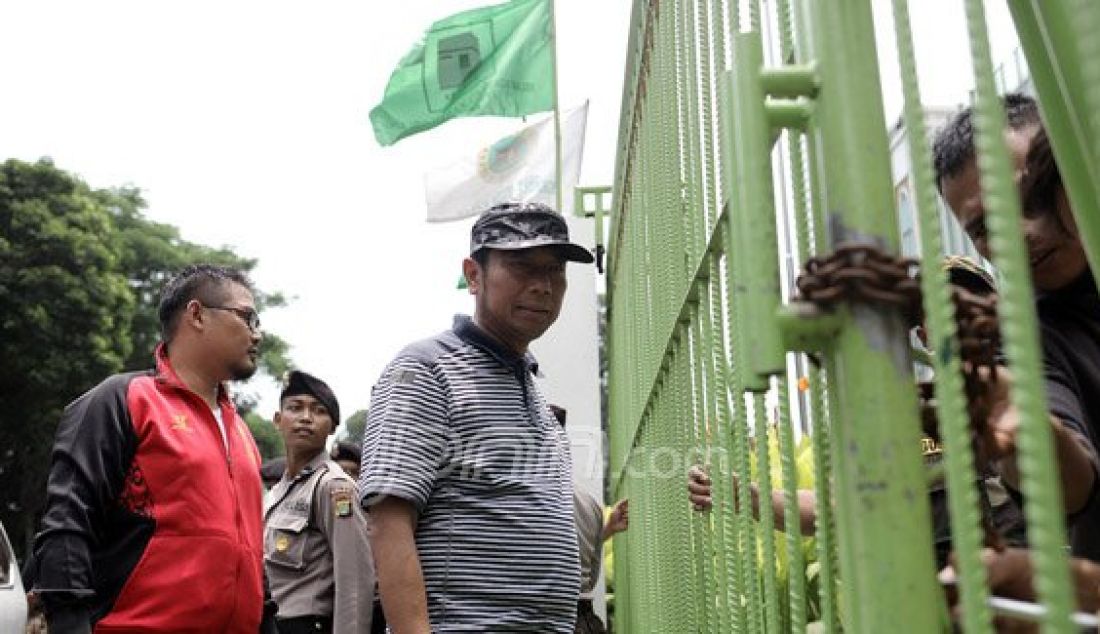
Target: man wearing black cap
<point>466,472</point>
<point>316,550</point>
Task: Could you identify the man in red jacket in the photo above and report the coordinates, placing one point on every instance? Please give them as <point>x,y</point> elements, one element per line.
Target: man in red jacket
<point>153,518</point>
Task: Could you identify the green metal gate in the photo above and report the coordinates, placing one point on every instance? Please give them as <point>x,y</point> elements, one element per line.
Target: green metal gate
<point>752,137</point>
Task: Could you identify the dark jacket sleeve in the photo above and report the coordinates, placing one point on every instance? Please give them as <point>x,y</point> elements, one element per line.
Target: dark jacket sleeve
<point>91,455</point>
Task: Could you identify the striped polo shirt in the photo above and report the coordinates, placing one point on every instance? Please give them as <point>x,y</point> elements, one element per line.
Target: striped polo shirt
<point>458,427</point>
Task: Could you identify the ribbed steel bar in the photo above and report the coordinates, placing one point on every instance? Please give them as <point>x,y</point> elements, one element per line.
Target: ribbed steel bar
<point>825,525</point>
<point>767,518</point>
<point>707,78</point>
<point>940,324</point>
<point>688,416</point>
<point>1060,42</point>
<point>721,470</point>
<point>791,516</point>
<point>1019,327</point>
<point>715,428</point>
<point>715,621</point>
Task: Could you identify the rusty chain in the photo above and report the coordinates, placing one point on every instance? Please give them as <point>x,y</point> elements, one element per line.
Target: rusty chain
<point>866,273</point>
<point>861,272</point>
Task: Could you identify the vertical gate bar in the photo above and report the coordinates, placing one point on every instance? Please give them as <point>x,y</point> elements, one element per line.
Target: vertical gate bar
<point>1060,42</point>
<point>868,364</point>
<point>825,525</point>
<point>792,516</point>
<point>706,105</point>
<point>721,471</point>
<point>752,206</point>
<point>715,428</point>
<point>1041,487</point>
<point>940,322</point>
<point>699,410</point>
<point>685,411</point>
<point>746,525</point>
<point>767,518</point>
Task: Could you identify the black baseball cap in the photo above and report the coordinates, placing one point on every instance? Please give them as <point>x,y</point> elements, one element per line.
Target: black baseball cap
<point>515,226</point>
<point>297,382</point>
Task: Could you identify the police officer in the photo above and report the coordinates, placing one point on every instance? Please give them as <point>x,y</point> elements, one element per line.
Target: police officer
<point>316,549</point>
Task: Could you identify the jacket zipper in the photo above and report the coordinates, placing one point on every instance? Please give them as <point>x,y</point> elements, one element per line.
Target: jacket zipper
<point>232,489</point>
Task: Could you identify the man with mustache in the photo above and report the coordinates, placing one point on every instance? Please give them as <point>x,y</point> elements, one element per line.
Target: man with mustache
<point>153,518</point>
<point>466,472</point>
<point>1066,300</point>
<point>316,550</point>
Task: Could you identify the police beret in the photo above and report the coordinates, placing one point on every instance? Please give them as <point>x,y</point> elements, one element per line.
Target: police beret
<point>297,382</point>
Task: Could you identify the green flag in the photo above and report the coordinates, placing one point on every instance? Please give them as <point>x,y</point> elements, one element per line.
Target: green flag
<point>495,60</point>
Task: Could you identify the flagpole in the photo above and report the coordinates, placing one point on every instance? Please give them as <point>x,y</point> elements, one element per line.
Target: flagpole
<point>557,110</point>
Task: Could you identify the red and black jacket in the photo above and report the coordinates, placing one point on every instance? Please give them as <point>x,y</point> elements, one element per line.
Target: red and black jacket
<point>150,523</point>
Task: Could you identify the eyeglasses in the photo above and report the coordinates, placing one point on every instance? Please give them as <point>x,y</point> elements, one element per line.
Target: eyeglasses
<point>249,316</point>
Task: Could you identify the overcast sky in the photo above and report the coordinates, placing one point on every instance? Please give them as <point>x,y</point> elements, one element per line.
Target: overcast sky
<point>245,124</point>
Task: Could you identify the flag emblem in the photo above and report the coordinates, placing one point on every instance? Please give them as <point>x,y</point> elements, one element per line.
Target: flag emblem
<point>501,158</point>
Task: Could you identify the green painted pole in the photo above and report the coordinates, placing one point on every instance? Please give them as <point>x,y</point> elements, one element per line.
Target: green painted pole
<point>801,78</point>
<point>753,208</point>
<point>879,476</point>
<point>557,110</point>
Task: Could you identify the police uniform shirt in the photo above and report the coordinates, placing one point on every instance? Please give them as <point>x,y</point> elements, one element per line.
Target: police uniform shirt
<point>588,513</point>
<point>316,550</point>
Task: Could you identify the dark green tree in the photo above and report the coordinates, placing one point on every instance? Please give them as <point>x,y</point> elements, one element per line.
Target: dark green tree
<point>81,271</point>
<point>268,440</point>
<point>152,252</point>
<point>353,426</point>
<point>65,313</point>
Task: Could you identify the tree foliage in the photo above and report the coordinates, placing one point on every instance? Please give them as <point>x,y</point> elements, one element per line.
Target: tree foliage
<point>81,272</point>
<point>64,317</point>
<point>268,439</point>
<point>354,426</point>
<point>151,253</point>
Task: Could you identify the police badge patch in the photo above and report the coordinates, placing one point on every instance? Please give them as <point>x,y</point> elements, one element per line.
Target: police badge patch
<point>341,502</point>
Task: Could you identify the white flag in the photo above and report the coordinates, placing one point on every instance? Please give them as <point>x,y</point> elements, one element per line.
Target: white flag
<point>519,168</point>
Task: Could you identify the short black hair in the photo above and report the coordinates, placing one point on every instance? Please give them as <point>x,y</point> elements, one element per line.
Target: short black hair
<point>204,282</point>
<point>953,146</point>
<point>481,256</point>
<point>1042,179</point>
<point>347,450</point>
